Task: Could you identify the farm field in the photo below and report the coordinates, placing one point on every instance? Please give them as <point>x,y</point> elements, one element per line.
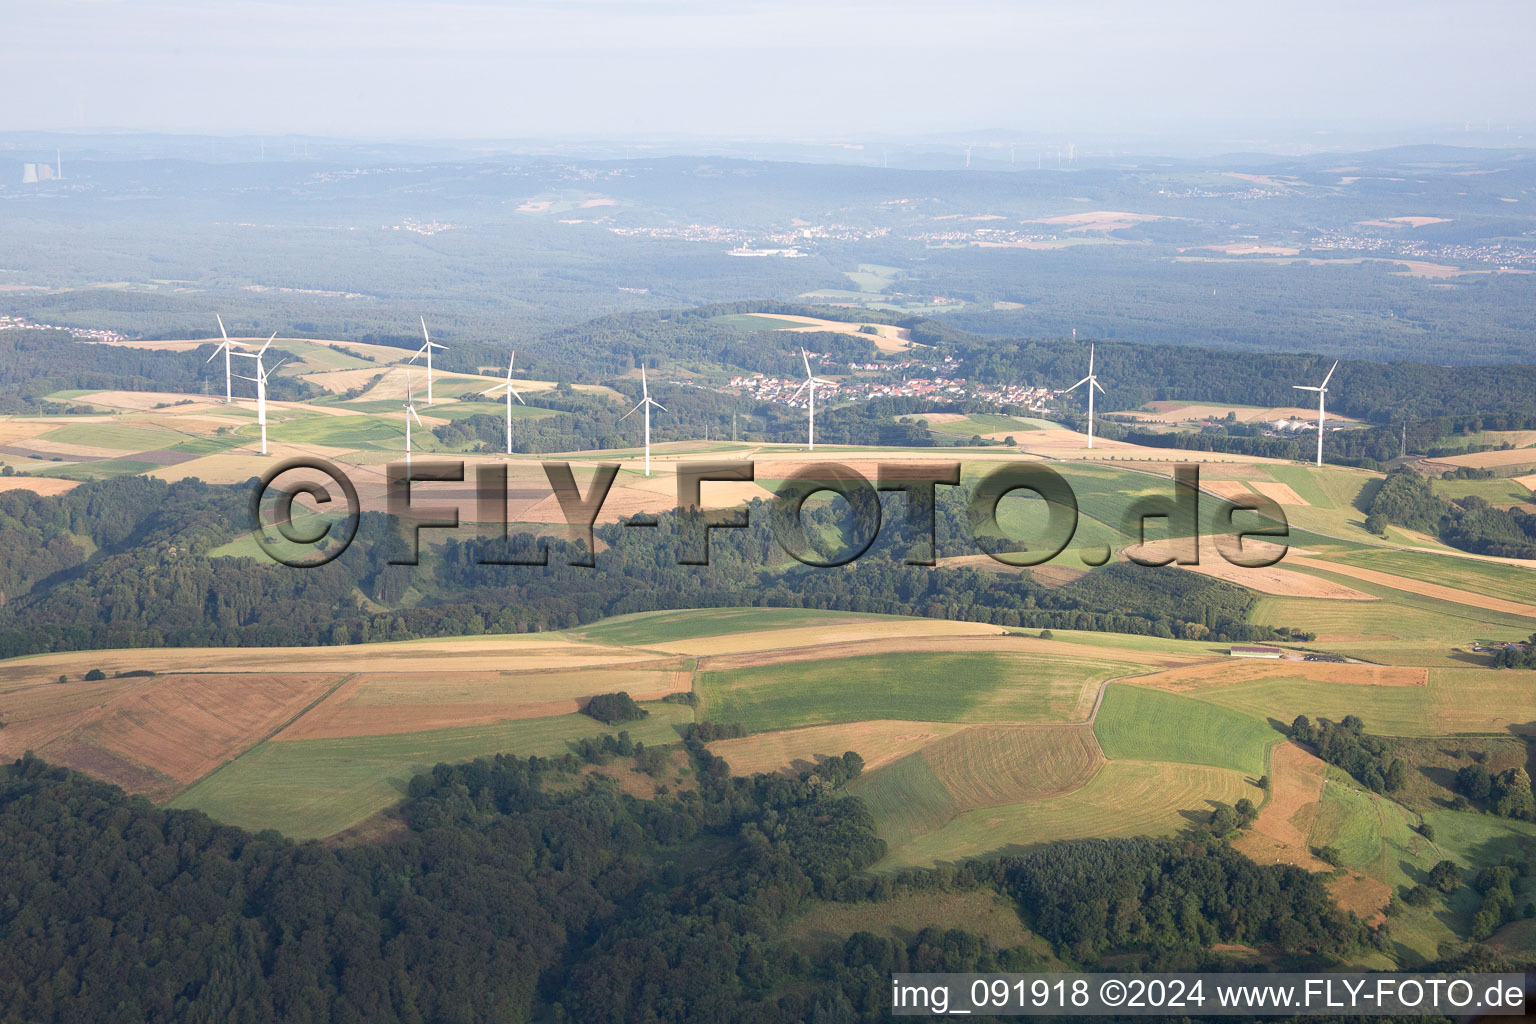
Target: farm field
<point>1139,724</point>
<point>1125,798</point>
<point>1507,582</point>
<point>1498,491</point>
<point>959,687</point>
<point>315,788</point>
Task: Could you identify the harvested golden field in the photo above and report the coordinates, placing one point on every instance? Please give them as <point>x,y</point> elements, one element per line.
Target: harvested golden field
<point>1277,580</point>
<point>491,653</point>
<point>1282,832</point>
<point>179,727</point>
<point>1397,222</point>
<point>145,401</point>
<point>47,486</point>
<point>992,765</point>
<point>1412,586</point>
<point>878,742</point>
<point>1485,460</point>
<point>1234,489</point>
<point>1241,670</point>
<point>379,704</point>
<point>887,339</point>
<point>854,632</point>
<point>1245,249</point>
<point>996,643</point>
<point>1098,220</point>
<point>1189,412</point>
<point>1366,897</point>
<point>1279,493</point>
<point>12,430</point>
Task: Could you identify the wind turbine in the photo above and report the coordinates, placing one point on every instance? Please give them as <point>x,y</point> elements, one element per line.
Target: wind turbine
<point>225,347</point>
<point>1322,393</point>
<point>511,394</point>
<point>646,401</point>
<point>410,414</point>
<point>262,373</point>
<point>427,346</point>
<point>811,380</point>
<point>1093,382</point>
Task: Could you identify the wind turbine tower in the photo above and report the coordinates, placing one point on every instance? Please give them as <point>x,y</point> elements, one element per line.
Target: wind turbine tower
<point>811,380</point>
<point>1322,397</point>
<point>511,394</point>
<point>427,346</point>
<point>1092,382</point>
<point>646,401</point>
<point>262,374</point>
<point>410,414</point>
<point>225,347</point>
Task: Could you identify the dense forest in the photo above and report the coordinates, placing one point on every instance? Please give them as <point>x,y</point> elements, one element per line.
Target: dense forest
<point>151,581</point>
<point>520,888</point>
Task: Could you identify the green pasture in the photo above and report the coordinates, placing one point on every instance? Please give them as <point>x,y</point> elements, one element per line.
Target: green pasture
<point>314,788</point>
<point>960,687</point>
<point>1139,724</point>
<point>117,436</point>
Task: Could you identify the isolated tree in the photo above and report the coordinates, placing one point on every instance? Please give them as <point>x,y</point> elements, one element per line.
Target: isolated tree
<point>1445,876</point>
<point>1474,782</point>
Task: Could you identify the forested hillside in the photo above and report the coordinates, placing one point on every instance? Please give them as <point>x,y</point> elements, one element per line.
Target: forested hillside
<point>519,890</point>
<point>151,582</point>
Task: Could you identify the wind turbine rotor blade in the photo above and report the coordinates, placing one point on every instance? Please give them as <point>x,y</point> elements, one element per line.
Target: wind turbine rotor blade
<point>1330,373</point>
<point>216,351</point>
<point>424,335</point>
<point>631,412</point>
<point>799,389</point>
<point>412,410</point>
<point>645,389</point>
<point>1306,387</point>
<point>659,406</point>
<point>513,392</point>
<point>807,360</point>
<point>509,365</point>
<point>1099,386</point>
<point>220,319</point>
<point>268,373</point>
<point>264,347</point>
<point>1079,384</point>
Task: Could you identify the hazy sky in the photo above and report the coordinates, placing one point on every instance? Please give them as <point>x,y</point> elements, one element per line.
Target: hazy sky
<point>780,69</point>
